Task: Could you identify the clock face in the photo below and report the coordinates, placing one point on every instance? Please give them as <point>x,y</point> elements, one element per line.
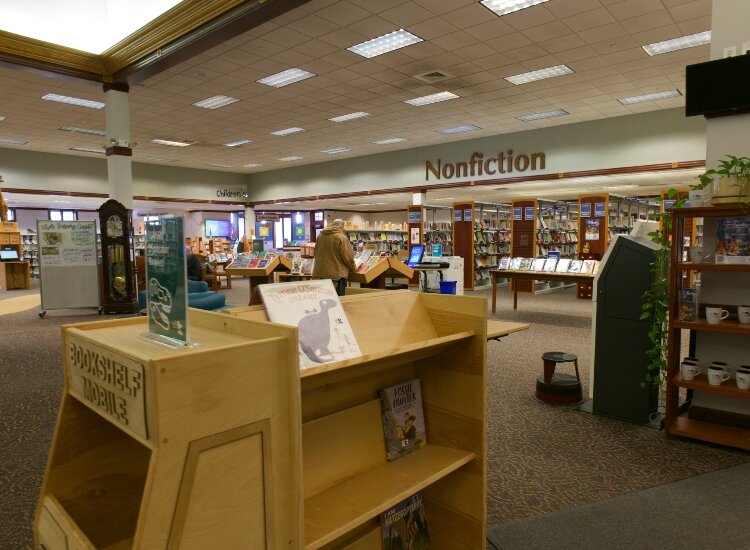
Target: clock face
<point>114,226</point>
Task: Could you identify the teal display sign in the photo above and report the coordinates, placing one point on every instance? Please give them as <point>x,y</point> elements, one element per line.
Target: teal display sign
<point>437,250</point>
<point>166,281</point>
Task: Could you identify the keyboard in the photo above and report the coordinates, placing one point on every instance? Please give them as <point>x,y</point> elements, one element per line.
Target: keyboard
<point>441,265</point>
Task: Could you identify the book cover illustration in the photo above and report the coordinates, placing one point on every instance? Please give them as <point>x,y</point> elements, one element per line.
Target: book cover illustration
<point>403,418</point>
<point>263,263</point>
<point>575,266</point>
<point>253,263</point>
<point>550,264</point>
<point>504,262</point>
<point>515,263</point>
<point>538,264</point>
<point>404,527</point>
<point>314,308</point>
<point>524,265</point>
<point>733,240</point>
<point>688,305</point>
<point>563,265</point>
<point>307,266</point>
<point>588,266</point>
<point>361,259</point>
<point>240,263</point>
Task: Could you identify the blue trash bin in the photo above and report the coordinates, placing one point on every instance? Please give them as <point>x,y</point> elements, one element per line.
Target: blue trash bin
<point>447,287</point>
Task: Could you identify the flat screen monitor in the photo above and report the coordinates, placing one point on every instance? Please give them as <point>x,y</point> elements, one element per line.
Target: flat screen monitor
<point>218,228</point>
<point>415,255</point>
<point>9,255</point>
<point>718,87</point>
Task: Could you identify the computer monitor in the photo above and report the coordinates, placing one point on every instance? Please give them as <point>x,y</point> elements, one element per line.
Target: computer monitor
<point>9,255</point>
<point>415,255</point>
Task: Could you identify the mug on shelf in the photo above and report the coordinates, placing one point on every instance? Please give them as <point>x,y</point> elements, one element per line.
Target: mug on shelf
<point>697,254</point>
<point>714,315</point>
<point>742,377</point>
<point>690,370</point>
<point>717,374</point>
<point>743,314</point>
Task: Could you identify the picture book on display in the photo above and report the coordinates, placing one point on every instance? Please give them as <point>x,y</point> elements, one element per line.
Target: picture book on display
<point>588,266</point>
<point>504,262</point>
<point>262,263</point>
<point>253,263</point>
<point>403,418</point>
<point>404,527</point>
<point>733,240</point>
<point>575,266</point>
<point>524,265</point>
<point>563,264</point>
<point>538,264</point>
<point>515,263</point>
<point>688,305</point>
<point>550,264</point>
<point>314,308</point>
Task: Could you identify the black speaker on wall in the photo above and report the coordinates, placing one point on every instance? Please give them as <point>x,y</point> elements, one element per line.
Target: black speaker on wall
<point>719,87</point>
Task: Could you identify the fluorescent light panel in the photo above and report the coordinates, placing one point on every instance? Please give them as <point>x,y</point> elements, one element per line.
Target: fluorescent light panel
<point>251,165</point>
<point>170,143</point>
<point>541,74</point>
<point>433,98</point>
<point>680,43</point>
<point>351,116</point>
<point>287,131</point>
<point>97,150</point>
<point>545,114</point>
<point>74,101</point>
<point>388,141</point>
<point>13,141</point>
<point>239,143</point>
<point>504,7</point>
<point>288,159</point>
<point>387,43</point>
<point>284,78</point>
<point>216,102</point>
<point>336,150</point>
<point>83,131</point>
<point>161,159</point>
<point>458,129</point>
<point>649,97</point>
<point>2,118</point>
<point>219,165</point>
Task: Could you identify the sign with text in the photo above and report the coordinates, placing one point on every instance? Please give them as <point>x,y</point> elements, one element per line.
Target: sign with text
<point>67,243</point>
<point>437,250</point>
<point>267,218</point>
<point>599,209</point>
<point>490,166</point>
<point>108,382</point>
<point>166,279</point>
<point>585,209</point>
<point>517,213</point>
<point>414,216</point>
<point>467,214</point>
<point>457,215</point>
<point>529,213</point>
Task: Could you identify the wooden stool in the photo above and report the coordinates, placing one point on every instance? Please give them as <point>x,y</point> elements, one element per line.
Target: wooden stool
<point>555,388</point>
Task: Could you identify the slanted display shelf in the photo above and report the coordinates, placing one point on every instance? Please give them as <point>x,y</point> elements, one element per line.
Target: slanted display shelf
<point>259,276</point>
<point>376,275</point>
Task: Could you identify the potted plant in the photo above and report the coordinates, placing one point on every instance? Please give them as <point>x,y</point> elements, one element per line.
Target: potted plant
<point>730,182</point>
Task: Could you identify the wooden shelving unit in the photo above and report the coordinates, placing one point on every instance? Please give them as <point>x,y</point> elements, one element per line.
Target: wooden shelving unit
<point>736,335</point>
<point>260,276</point>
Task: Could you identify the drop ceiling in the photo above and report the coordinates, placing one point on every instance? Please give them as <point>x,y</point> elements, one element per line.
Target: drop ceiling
<point>600,40</point>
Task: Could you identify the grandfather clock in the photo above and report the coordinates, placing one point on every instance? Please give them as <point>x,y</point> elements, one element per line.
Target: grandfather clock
<point>118,284</point>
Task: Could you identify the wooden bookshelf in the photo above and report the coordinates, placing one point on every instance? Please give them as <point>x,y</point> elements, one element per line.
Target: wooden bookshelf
<point>712,432</point>
<point>700,383</point>
<point>728,326</point>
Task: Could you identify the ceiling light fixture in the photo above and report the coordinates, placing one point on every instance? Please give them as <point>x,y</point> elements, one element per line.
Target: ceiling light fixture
<point>284,78</point>
<point>289,159</point>
<point>97,150</point>
<point>219,165</point>
<point>170,143</point>
<point>251,165</point>
<point>13,141</point>
<point>649,97</point>
<point>388,141</point>
<point>383,44</point>
<point>680,43</point>
<point>351,116</point>
<point>74,101</point>
<point>216,102</point>
<point>2,118</point>
<point>336,150</point>
<point>83,131</point>
<point>504,7</point>
<point>239,143</point>
<point>541,74</point>
<point>287,131</point>
<point>545,114</point>
<point>433,98</point>
<point>161,159</point>
<point>459,129</point>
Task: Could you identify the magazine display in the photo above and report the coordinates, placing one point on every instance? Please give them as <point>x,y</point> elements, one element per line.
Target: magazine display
<point>588,266</point>
<point>404,527</point>
<point>515,263</point>
<point>733,240</point>
<point>504,262</point>
<point>563,265</point>
<point>575,266</point>
<point>403,418</point>
<point>550,264</point>
<point>314,308</point>
<point>524,265</point>
<point>688,305</point>
<point>538,264</point>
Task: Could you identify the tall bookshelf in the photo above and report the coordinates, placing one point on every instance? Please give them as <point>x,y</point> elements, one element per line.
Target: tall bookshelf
<point>379,240</point>
<point>30,253</point>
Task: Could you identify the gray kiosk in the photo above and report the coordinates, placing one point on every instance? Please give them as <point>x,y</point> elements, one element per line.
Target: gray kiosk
<point>619,336</point>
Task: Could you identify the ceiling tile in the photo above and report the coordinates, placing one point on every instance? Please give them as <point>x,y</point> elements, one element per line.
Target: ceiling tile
<point>406,14</point>
<point>343,13</point>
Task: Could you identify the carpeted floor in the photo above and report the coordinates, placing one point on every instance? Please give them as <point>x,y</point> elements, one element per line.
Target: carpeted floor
<point>541,458</point>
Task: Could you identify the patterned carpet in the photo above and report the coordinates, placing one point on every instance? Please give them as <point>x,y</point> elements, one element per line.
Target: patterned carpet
<point>541,458</point>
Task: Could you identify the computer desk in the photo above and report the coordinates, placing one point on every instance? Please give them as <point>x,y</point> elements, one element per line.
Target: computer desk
<point>422,269</point>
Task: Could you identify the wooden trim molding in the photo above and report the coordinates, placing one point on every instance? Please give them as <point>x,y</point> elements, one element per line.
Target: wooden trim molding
<point>106,196</point>
<point>118,150</point>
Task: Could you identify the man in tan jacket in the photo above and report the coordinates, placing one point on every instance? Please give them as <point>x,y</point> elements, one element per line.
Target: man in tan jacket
<point>334,256</point>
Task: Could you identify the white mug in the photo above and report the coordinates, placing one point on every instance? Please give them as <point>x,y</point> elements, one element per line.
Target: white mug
<point>717,375</point>
<point>690,370</point>
<point>742,377</point>
<point>714,315</point>
<point>743,314</point>
<point>697,254</point>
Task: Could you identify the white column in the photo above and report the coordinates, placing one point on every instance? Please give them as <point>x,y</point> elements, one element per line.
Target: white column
<point>249,222</point>
<point>419,199</point>
<point>119,151</point>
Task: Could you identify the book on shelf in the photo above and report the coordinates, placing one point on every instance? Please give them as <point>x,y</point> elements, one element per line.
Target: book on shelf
<point>504,262</point>
<point>241,262</point>
<point>733,240</point>
<point>588,266</point>
<point>563,265</point>
<point>404,526</point>
<point>575,266</point>
<point>403,418</point>
<point>313,307</point>
<point>524,265</point>
<point>538,264</point>
<point>361,258</point>
<point>688,305</point>
<point>307,266</point>
<point>550,264</point>
<point>255,262</point>
<point>297,265</point>
<point>515,263</point>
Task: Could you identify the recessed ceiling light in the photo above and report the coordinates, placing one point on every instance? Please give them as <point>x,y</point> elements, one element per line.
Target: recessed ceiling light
<point>433,98</point>
<point>336,150</point>
<point>383,44</point>
<point>445,199</point>
<point>170,143</point>
<point>504,7</point>
<point>219,165</point>
<point>251,165</point>
<point>83,130</point>
<point>541,74</point>
<point>74,101</point>
<point>680,43</point>
<point>350,117</point>
<point>216,101</point>
<point>389,141</point>
<point>287,131</point>
<point>458,129</point>
<point>2,118</point>
<point>288,159</point>
<point>239,143</point>
<point>649,97</point>
<point>545,114</point>
<point>13,141</point>
<point>161,159</point>
<point>284,78</point>
<point>97,150</point>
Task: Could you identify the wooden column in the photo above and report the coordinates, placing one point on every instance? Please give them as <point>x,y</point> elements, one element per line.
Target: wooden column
<point>463,239</point>
<point>598,246</point>
<point>414,222</point>
<point>523,238</point>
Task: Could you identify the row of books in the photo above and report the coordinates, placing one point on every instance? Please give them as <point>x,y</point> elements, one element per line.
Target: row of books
<point>368,237</point>
<point>549,265</point>
<point>548,236</point>
<point>249,262</point>
<point>498,235</point>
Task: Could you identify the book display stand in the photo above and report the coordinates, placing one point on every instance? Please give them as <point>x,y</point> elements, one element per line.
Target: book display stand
<point>376,275</point>
<point>263,275</point>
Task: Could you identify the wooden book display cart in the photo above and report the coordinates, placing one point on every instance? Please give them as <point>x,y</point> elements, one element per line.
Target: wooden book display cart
<point>228,444</point>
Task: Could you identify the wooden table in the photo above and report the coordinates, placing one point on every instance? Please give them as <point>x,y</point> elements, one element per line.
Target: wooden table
<point>534,276</point>
<point>14,275</point>
<point>498,329</point>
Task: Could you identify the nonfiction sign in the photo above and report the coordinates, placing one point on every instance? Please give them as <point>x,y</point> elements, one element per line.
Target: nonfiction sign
<point>479,166</point>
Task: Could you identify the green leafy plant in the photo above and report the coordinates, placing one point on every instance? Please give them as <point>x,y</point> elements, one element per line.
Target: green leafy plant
<point>731,167</point>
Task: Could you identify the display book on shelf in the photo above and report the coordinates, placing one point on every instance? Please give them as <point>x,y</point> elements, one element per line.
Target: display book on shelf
<point>30,253</point>
<point>439,233</point>
<point>258,264</point>
<point>558,235</point>
<point>717,413</point>
<point>372,268</point>
<point>549,265</point>
<point>388,240</point>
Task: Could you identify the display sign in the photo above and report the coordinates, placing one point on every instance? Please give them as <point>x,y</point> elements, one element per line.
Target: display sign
<point>592,230</point>
<point>517,213</point>
<point>109,382</point>
<point>414,216</point>
<point>467,214</point>
<point>67,243</point>
<point>553,254</point>
<point>263,231</point>
<point>437,250</point>
<point>585,209</point>
<point>415,237</point>
<point>479,166</point>
<point>668,203</point>
<point>529,213</point>
<point>8,227</point>
<point>166,280</point>
<point>299,231</point>
<point>267,218</point>
<point>457,215</point>
<point>600,209</point>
